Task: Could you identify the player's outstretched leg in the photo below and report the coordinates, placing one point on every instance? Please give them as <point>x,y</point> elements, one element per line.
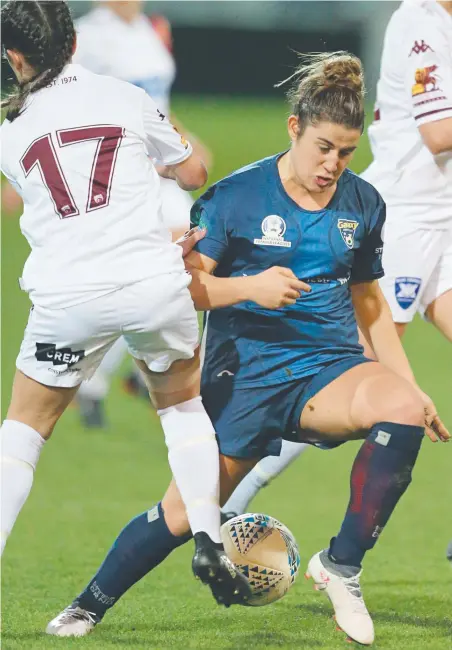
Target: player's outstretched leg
<point>260,476</point>
<point>380,475</point>
<point>141,546</point>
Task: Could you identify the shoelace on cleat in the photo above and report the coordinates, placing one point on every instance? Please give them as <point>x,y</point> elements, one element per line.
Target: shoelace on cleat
<point>77,613</point>
<point>353,587</point>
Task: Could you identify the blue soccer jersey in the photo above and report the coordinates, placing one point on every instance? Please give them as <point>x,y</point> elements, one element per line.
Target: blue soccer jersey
<point>253,224</point>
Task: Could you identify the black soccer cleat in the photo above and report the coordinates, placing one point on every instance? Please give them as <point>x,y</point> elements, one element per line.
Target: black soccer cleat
<point>212,566</point>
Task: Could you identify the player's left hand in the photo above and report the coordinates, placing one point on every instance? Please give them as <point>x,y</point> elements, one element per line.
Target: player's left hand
<point>434,428</point>
<point>190,239</point>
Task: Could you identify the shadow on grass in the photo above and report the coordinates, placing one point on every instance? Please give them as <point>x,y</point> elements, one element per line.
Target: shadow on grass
<point>442,623</point>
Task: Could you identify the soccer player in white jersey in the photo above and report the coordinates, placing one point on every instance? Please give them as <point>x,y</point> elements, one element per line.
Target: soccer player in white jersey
<point>77,147</point>
<point>115,38</point>
<point>411,140</point>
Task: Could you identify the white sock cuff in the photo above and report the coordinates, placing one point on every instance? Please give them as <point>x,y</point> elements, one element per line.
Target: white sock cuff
<point>20,442</point>
<point>193,405</point>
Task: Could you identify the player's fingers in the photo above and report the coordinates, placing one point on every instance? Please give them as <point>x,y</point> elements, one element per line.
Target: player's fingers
<point>292,294</point>
<point>300,285</point>
<point>430,434</point>
<point>439,429</point>
<point>282,270</point>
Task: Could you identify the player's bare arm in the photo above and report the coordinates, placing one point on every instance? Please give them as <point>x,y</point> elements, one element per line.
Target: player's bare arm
<point>375,322</point>
<point>437,136</point>
<point>274,288</point>
<point>190,175</point>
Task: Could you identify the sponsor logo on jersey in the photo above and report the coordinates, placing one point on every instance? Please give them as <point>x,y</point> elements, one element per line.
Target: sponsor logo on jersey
<point>421,48</point>
<point>273,228</point>
<point>426,80</point>
<point>406,290</point>
<point>62,357</point>
<point>347,228</point>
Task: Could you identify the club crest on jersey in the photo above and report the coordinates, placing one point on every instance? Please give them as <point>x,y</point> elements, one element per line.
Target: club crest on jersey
<point>347,228</point>
<point>273,229</point>
<point>406,290</point>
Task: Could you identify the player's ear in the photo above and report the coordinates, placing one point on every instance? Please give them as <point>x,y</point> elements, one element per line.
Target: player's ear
<point>17,61</point>
<point>293,127</point>
<point>74,45</point>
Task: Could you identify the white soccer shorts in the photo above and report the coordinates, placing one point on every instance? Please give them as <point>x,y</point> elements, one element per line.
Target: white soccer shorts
<point>418,268</point>
<point>63,347</point>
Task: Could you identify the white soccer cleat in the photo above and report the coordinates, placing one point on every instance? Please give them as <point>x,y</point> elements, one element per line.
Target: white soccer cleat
<point>72,621</point>
<point>345,595</point>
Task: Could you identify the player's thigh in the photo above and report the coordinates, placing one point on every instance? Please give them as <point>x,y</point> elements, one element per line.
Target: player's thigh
<point>163,338</point>
<point>353,402</point>
<point>37,405</point>
<point>410,256</point>
<point>439,312</point>
<point>62,347</point>
<point>437,299</point>
<point>232,471</point>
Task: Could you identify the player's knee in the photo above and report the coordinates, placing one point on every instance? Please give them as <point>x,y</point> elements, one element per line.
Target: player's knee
<point>392,399</point>
<point>404,407</point>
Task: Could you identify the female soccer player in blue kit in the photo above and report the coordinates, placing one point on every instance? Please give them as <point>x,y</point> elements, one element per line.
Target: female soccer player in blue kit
<point>298,371</point>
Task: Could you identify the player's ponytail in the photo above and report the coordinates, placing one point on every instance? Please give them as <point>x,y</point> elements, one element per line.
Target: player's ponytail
<point>328,87</point>
<point>43,32</point>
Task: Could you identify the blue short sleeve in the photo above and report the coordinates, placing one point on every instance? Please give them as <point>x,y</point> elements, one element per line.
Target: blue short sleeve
<point>367,265</point>
<point>210,212</point>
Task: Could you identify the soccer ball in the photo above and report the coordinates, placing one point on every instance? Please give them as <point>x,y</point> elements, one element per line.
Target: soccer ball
<point>265,551</point>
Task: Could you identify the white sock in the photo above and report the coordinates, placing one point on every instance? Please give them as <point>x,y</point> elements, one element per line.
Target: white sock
<point>194,460</point>
<point>261,475</point>
<point>20,447</point>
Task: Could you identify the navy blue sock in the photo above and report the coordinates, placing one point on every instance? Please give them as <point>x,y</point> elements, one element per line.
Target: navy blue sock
<point>380,475</point>
<point>143,544</point>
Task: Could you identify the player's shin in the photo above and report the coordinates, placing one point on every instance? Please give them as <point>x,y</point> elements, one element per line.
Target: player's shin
<point>141,546</point>
<point>380,475</point>
<point>20,449</point>
<point>194,460</point>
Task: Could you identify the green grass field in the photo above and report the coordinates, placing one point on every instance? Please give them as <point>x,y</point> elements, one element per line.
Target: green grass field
<point>89,484</point>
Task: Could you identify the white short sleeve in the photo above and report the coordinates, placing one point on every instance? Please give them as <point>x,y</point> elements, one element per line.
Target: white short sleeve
<point>164,142</point>
<point>428,80</point>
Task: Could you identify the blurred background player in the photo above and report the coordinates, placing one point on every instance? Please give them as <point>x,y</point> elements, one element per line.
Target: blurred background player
<point>76,146</point>
<point>298,372</point>
<point>411,142</point>
<point>117,39</point>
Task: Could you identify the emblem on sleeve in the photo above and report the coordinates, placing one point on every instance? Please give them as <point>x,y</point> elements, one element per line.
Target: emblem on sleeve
<point>347,228</point>
<point>426,80</point>
<point>273,229</point>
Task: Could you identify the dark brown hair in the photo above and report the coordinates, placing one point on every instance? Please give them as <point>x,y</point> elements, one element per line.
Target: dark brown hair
<point>43,31</point>
<point>328,87</point>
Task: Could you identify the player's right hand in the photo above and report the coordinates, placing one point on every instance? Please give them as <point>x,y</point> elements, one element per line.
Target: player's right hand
<point>277,287</point>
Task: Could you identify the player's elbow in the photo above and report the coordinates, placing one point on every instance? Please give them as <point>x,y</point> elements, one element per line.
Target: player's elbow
<point>192,174</point>
<point>437,136</point>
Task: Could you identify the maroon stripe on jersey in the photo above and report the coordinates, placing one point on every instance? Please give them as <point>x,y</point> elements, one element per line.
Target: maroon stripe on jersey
<point>438,110</point>
<point>377,115</point>
<point>109,140</point>
<point>41,153</point>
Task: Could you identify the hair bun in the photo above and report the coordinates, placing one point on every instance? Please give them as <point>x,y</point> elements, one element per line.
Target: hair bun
<point>343,69</point>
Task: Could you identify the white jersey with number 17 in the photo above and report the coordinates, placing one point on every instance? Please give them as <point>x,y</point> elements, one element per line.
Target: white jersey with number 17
<point>79,155</point>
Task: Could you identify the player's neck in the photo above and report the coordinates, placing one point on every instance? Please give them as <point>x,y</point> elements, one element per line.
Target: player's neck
<point>125,11</point>
<point>447,5</point>
<point>294,187</point>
